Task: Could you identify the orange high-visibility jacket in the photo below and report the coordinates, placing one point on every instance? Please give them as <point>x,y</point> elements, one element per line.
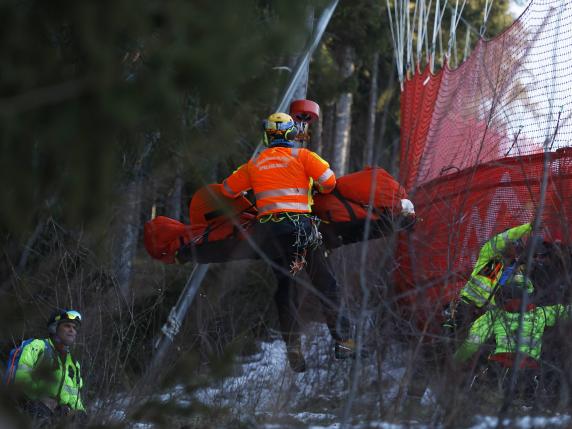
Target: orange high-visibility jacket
<point>282,179</point>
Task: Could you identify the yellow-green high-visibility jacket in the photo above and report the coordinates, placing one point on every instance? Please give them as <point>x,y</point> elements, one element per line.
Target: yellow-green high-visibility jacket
<point>489,267</point>
<point>504,326</point>
<point>41,373</point>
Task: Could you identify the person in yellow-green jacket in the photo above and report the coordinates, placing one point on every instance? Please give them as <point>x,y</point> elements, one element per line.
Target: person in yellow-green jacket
<point>495,257</point>
<point>500,258</point>
<point>517,326</point>
<point>46,373</point>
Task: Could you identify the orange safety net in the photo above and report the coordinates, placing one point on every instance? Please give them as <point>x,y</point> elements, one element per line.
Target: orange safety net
<point>472,149</point>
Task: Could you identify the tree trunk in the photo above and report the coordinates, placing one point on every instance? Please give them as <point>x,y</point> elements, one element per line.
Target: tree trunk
<point>130,222</point>
<point>175,199</point>
<point>317,142</point>
<point>328,128</point>
<point>388,95</point>
<point>30,245</point>
<point>129,236</point>
<point>371,114</point>
<point>343,124</point>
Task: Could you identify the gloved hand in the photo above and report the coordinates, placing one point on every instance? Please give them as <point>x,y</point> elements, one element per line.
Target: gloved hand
<point>184,254</point>
<point>448,313</point>
<point>540,222</point>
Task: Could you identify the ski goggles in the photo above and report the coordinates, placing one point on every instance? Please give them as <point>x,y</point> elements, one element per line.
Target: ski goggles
<point>270,126</point>
<point>69,315</point>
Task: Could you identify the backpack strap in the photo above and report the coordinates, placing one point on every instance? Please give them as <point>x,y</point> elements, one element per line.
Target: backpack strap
<point>207,233</point>
<point>49,349</point>
<point>213,214</point>
<point>346,204</point>
<point>10,373</point>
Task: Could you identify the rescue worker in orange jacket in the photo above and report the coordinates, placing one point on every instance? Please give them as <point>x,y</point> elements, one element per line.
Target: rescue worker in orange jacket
<point>282,178</point>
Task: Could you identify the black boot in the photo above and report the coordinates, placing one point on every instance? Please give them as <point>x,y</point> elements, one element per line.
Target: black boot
<point>347,349</point>
<point>296,358</point>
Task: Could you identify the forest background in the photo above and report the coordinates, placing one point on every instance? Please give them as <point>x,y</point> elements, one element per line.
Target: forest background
<point>113,111</point>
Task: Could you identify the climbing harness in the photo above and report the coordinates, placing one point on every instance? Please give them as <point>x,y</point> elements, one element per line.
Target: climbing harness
<point>304,239</point>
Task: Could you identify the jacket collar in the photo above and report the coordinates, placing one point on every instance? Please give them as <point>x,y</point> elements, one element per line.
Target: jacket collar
<point>283,143</point>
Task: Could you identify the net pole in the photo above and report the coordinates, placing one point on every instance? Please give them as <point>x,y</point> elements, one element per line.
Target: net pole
<point>178,313</point>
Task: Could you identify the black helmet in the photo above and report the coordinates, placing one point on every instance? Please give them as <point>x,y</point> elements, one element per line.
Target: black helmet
<point>60,316</point>
<point>511,295</point>
<point>539,246</point>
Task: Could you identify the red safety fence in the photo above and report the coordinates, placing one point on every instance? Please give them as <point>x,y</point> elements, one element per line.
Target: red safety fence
<point>417,104</point>
<point>472,149</point>
<point>458,213</point>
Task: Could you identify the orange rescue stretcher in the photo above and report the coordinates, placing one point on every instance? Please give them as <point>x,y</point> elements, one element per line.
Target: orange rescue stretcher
<point>220,225</point>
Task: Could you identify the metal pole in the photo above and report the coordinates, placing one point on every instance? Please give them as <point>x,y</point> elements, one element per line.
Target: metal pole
<point>304,62</point>
<point>302,87</point>
<point>177,315</point>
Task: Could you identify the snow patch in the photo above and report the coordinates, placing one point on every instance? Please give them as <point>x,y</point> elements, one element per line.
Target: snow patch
<point>264,389</point>
<point>526,422</point>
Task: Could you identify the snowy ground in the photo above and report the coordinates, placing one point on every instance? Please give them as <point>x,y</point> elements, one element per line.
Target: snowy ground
<point>265,393</point>
<point>266,388</point>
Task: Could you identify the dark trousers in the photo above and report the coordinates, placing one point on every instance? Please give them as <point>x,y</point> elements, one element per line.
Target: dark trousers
<point>283,242</point>
<point>40,414</point>
<point>525,386</point>
<point>498,378</point>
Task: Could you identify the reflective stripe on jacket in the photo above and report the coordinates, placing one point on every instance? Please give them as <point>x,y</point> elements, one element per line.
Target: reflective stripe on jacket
<point>63,381</point>
<point>282,179</point>
<point>504,326</point>
<point>489,267</point>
